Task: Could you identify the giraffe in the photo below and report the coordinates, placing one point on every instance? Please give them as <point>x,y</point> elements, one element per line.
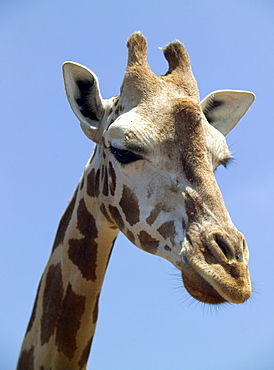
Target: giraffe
<point>151,176</point>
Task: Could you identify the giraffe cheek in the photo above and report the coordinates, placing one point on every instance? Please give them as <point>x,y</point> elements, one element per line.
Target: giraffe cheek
<point>167,230</point>
<point>130,206</point>
<point>130,236</point>
<point>148,243</point>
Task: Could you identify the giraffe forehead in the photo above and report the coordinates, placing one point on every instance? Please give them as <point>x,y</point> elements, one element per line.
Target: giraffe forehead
<point>163,121</point>
<point>131,130</point>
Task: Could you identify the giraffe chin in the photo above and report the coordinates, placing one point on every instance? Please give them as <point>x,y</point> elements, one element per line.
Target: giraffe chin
<point>214,286</point>
<point>199,288</point>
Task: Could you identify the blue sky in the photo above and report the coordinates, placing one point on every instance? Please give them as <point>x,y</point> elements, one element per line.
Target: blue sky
<point>146,320</point>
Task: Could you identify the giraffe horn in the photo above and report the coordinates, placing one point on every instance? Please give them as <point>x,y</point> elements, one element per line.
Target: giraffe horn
<point>180,71</point>
<point>138,78</point>
<point>137,49</point>
<point>177,57</point>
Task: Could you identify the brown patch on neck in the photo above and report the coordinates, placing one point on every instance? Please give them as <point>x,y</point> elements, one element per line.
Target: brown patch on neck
<point>26,360</point>
<point>52,302</point>
<point>33,314</point>
<point>85,354</point>
<point>83,252</point>
<point>96,310</point>
<point>93,183</point>
<point>73,307</point>
<point>63,225</point>
<point>82,183</point>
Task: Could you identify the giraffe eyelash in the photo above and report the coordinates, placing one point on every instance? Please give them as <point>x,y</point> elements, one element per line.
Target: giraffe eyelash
<point>227,161</point>
<point>124,156</point>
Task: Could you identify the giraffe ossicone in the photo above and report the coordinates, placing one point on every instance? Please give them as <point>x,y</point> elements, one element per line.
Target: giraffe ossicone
<point>151,176</point>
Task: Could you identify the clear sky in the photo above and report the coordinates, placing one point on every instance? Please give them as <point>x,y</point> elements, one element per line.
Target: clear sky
<point>146,320</point>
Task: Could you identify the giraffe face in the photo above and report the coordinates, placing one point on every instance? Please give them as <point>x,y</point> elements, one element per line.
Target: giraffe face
<point>168,199</point>
<point>158,149</point>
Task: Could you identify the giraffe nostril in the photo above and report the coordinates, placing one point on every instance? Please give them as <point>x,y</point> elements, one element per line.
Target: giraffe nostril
<point>237,256</point>
<point>221,247</point>
<point>224,247</point>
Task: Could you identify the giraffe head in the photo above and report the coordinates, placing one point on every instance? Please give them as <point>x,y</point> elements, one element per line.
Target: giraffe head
<point>153,168</point>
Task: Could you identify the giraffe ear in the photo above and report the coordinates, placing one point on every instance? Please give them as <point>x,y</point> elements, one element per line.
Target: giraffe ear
<point>84,97</point>
<point>224,108</point>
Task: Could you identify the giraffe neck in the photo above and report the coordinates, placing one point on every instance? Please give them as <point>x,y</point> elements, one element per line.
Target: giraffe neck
<point>64,316</point>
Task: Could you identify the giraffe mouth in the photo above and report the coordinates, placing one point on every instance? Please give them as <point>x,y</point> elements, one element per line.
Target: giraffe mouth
<point>214,281</point>
<point>198,287</point>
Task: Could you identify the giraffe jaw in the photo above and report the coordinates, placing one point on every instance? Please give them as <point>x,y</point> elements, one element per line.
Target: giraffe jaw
<point>216,282</point>
<point>198,287</point>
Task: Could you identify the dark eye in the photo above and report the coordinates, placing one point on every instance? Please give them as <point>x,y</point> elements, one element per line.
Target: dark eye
<point>124,156</point>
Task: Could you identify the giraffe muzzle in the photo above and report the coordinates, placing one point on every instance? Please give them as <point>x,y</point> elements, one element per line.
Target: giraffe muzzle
<point>215,266</point>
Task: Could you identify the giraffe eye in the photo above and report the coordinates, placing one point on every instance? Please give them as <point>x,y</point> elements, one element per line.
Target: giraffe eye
<point>225,162</point>
<point>124,156</point>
